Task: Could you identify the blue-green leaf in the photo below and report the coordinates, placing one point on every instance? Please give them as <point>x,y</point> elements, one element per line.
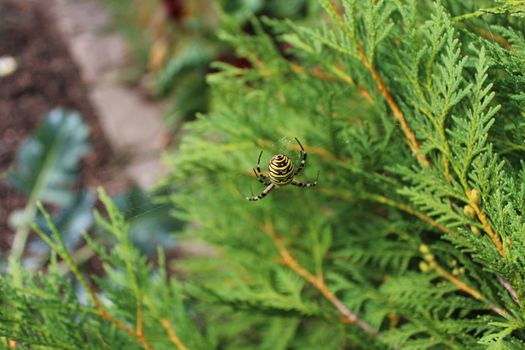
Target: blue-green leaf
<point>47,162</point>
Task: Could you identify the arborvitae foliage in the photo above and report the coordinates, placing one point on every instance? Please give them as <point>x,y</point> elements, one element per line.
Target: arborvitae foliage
<point>133,299</point>
<point>412,112</point>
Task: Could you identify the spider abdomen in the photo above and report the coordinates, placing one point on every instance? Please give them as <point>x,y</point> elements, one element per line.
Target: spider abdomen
<point>281,170</point>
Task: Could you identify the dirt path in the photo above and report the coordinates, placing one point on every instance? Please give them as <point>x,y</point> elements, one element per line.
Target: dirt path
<point>132,122</point>
<point>47,77</point>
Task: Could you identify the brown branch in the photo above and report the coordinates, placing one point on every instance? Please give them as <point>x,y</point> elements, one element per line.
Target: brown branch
<point>409,210</point>
<point>316,281</point>
<point>464,287</point>
<point>337,72</point>
<point>101,310</point>
<point>173,336</point>
<point>387,95</point>
<point>377,198</point>
<point>315,72</point>
<point>482,217</point>
<point>396,111</point>
<point>119,324</point>
<point>487,34</point>
<point>394,319</point>
<point>103,313</point>
<point>314,150</point>
<point>446,169</point>
<point>414,145</point>
<point>139,326</point>
<point>510,289</point>
<point>442,272</point>
<point>391,203</point>
<point>497,38</point>
<point>432,263</point>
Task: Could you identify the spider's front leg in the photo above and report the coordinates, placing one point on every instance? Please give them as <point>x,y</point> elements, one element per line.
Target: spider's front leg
<point>303,184</point>
<point>263,194</point>
<point>303,158</point>
<point>258,173</point>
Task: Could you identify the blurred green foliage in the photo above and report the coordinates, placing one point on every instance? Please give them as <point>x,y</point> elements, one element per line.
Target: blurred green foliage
<point>175,41</point>
<point>413,114</point>
<point>48,168</point>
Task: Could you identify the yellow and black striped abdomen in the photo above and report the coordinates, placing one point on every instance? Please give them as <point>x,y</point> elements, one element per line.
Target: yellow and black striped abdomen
<point>281,170</point>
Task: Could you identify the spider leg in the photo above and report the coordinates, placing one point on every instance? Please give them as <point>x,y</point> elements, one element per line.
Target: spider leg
<point>261,177</point>
<point>303,158</point>
<point>259,162</point>
<point>258,173</point>
<point>303,184</point>
<point>263,193</point>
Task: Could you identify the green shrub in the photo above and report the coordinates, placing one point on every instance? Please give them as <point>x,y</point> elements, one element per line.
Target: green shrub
<point>413,239</point>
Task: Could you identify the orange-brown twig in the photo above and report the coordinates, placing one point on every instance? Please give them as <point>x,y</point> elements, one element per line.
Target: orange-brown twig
<point>414,145</point>
<point>103,313</point>
<point>337,72</point>
<point>394,319</point>
<point>316,281</point>
<point>482,217</point>
<point>315,72</point>
<point>396,111</point>
<point>497,38</point>
<point>385,92</point>
<point>101,310</point>
<point>466,288</point>
<point>432,263</point>
<point>314,150</point>
<point>409,210</point>
<point>391,203</point>
<point>173,336</point>
<point>139,327</point>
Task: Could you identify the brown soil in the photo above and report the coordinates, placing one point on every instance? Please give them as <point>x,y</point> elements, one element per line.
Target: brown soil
<point>46,78</point>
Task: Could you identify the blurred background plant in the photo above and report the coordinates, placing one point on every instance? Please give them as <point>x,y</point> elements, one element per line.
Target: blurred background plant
<point>47,170</point>
<point>174,42</point>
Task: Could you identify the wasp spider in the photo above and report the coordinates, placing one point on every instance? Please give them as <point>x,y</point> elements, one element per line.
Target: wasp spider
<point>281,171</point>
